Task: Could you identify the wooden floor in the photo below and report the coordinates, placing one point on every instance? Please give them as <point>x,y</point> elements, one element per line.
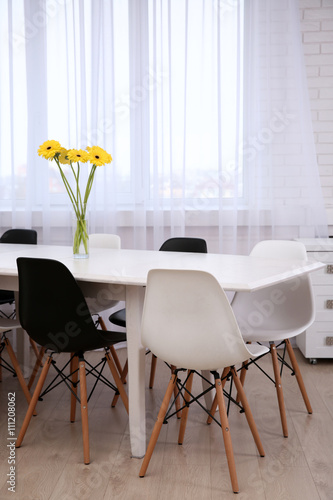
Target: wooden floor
<point>49,465</point>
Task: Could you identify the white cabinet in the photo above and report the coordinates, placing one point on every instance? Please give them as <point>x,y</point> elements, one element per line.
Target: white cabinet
<point>315,342</point>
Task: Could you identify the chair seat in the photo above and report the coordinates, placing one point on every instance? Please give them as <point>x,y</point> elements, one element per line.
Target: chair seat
<point>256,350</point>
<point>103,339</point>
<point>119,318</point>
<point>271,335</point>
<point>8,324</point>
<point>6,296</point>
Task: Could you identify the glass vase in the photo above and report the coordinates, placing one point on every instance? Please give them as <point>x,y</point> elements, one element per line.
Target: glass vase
<point>80,237</point>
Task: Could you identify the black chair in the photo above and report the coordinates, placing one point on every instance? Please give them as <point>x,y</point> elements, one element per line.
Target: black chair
<point>7,321</point>
<point>24,236</point>
<point>178,244</point>
<point>54,312</point>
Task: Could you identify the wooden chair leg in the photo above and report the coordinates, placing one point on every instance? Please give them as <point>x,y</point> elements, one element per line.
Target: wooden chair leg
<point>17,369</point>
<point>36,367</point>
<point>158,425</point>
<point>117,380</point>
<point>33,401</point>
<point>74,368</point>
<point>34,348</point>
<point>279,390</point>
<point>242,378</point>
<point>298,375</point>
<point>248,413</point>
<point>152,371</point>
<point>226,436</point>
<point>214,405</point>
<point>187,398</point>
<point>122,378</point>
<point>112,350</point>
<point>84,411</point>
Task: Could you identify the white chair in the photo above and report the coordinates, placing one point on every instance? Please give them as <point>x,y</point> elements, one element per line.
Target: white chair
<point>103,300</point>
<point>278,313</point>
<point>100,300</point>
<point>188,322</point>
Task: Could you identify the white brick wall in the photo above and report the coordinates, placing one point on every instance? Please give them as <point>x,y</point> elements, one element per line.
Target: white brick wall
<point>317,35</point>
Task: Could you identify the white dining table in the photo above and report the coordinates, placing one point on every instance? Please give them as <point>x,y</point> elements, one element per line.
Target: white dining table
<point>122,274</point>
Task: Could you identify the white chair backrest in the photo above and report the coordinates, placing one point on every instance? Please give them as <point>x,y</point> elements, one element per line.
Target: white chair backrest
<point>99,298</point>
<point>188,322</point>
<point>280,249</point>
<point>287,307</point>
<point>100,240</point>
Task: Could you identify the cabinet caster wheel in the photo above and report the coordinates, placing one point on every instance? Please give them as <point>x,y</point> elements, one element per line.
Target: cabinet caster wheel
<point>313,361</point>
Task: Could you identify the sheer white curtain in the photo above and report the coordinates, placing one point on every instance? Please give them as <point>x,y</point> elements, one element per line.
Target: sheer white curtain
<point>280,166</point>
<point>202,104</point>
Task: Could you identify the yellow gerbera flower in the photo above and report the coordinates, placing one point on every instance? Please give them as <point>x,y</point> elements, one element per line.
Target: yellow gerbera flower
<point>49,149</point>
<point>98,156</point>
<point>63,156</point>
<point>76,155</point>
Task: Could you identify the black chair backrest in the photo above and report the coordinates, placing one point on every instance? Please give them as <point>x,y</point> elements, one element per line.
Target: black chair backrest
<point>52,308</point>
<point>25,236</point>
<point>184,244</point>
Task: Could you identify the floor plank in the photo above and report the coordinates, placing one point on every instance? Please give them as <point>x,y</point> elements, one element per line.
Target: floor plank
<point>49,465</point>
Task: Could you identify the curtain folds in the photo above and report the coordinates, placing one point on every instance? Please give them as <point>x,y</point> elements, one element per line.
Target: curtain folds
<point>202,105</point>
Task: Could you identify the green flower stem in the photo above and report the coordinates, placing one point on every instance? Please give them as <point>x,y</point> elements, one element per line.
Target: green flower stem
<point>68,189</point>
<point>81,232</point>
<point>89,183</point>
<point>80,236</point>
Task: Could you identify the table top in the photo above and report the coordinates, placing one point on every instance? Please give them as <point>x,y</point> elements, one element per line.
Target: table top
<point>130,267</point>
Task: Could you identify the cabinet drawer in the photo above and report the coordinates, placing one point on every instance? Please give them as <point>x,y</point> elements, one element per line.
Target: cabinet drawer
<point>323,295</point>
<point>325,257</point>
<point>313,342</point>
<point>323,276</point>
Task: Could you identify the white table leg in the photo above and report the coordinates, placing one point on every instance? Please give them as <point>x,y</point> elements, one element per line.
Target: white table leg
<point>22,345</point>
<point>23,352</point>
<point>136,370</point>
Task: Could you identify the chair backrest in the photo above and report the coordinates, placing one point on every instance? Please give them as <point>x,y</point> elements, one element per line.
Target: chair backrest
<point>280,249</point>
<point>26,236</point>
<point>100,299</point>
<point>101,240</point>
<point>188,321</point>
<point>52,308</point>
<point>287,306</point>
<point>184,244</point>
